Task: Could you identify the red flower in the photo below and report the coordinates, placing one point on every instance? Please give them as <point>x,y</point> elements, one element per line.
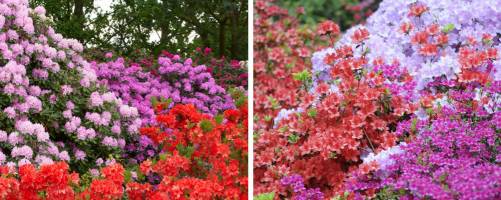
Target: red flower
<point>105,189</point>
<point>360,35</point>
<point>420,38</point>
<point>114,173</point>
<point>442,39</point>
<point>433,29</point>
<point>328,27</point>
<point>406,27</point>
<point>417,10</point>
<point>429,50</point>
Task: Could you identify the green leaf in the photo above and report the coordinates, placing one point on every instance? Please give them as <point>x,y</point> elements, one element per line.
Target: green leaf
<point>312,112</point>
<point>265,196</point>
<point>154,101</point>
<point>219,119</point>
<point>303,76</point>
<point>206,125</point>
<point>413,125</point>
<point>186,151</point>
<point>293,138</point>
<point>162,156</point>
<point>448,28</point>
<point>127,176</point>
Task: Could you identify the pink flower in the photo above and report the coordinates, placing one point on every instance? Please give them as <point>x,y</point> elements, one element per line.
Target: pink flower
<point>79,154</point>
<point>3,136</point>
<point>207,50</point>
<point>66,89</point>
<point>95,99</point>
<point>24,151</point>
<point>64,156</point>
<point>10,112</point>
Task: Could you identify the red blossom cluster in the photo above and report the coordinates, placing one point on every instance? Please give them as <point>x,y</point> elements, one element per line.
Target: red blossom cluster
<point>204,158</point>
<point>49,182</point>
<point>324,142</point>
<point>207,157</point>
<point>281,49</point>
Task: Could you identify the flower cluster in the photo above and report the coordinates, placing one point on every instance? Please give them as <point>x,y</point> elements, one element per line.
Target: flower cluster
<point>281,53</point>
<point>51,107</point>
<point>295,182</point>
<point>200,150</point>
<point>403,107</point>
<point>168,77</point>
<point>53,181</point>
<point>202,158</point>
<point>227,73</point>
<point>454,154</point>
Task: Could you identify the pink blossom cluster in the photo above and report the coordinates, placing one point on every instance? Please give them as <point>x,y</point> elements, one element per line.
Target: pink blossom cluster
<point>51,107</point>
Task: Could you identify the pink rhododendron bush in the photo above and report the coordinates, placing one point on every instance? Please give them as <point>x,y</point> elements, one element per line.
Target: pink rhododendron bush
<point>52,108</point>
<point>406,106</point>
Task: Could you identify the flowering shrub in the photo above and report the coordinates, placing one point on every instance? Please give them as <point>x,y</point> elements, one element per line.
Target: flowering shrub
<point>454,154</point>
<point>425,88</point>
<point>203,158</point>
<point>295,182</point>
<point>281,50</point>
<point>335,126</point>
<point>227,73</point>
<point>170,78</point>
<point>209,152</point>
<point>51,107</point>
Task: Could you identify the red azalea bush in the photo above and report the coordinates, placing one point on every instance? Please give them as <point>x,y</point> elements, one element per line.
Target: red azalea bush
<point>282,48</point>
<point>205,151</point>
<point>324,142</point>
<point>203,158</point>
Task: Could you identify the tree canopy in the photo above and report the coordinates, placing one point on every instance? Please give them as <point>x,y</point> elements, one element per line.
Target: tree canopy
<point>154,25</point>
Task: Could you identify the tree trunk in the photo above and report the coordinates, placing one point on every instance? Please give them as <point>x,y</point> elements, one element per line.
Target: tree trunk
<point>79,17</point>
<point>234,31</point>
<point>222,36</point>
<point>164,24</point>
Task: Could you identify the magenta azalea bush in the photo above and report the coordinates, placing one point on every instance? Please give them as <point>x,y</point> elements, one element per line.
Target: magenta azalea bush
<point>51,105</point>
<point>167,78</point>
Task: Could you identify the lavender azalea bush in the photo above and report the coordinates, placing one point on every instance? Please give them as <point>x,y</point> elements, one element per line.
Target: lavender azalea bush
<point>394,33</point>
<point>51,107</point>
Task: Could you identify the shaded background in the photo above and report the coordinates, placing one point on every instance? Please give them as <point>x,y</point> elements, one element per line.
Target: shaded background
<point>346,13</point>
<point>179,26</point>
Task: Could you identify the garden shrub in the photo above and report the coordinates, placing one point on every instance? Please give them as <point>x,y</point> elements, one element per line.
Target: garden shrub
<point>51,106</point>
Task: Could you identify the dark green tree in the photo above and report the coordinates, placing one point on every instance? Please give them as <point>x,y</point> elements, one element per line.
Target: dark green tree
<point>154,25</point>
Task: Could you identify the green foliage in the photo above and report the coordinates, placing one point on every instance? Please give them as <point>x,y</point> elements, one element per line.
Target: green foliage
<point>318,10</point>
<point>388,193</point>
<point>239,96</point>
<point>154,25</point>
<point>185,151</point>
<point>206,126</point>
<point>265,196</point>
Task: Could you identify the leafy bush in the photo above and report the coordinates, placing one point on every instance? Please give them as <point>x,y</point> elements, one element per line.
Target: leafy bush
<point>167,77</point>
<point>210,164</point>
<point>51,107</point>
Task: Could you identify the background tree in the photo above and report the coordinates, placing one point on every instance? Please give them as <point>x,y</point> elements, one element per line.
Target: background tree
<point>346,13</point>
<point>154,25</point>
